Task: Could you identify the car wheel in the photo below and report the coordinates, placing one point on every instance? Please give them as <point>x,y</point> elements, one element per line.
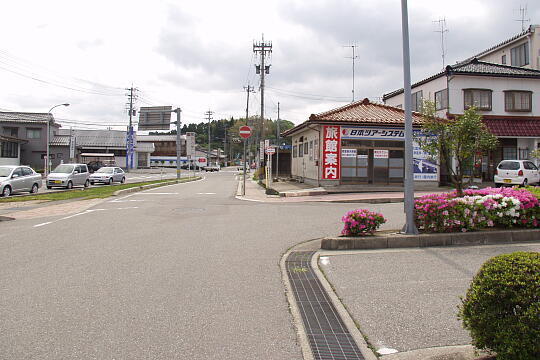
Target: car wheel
<point>69,185</point>
<point>123,180</point>
<point>525,182</point>
<point>91,183</point>
<point>6,192</point>
<point>110,181</point>
<point>49,187</point>
<point>86,183</point>
<point>497,185</point>
<point>34,189</point>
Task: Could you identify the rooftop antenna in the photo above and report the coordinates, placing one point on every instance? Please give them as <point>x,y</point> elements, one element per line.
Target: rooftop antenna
<point>523,14</point>
<point>353,57</point>
<point>442,30</point>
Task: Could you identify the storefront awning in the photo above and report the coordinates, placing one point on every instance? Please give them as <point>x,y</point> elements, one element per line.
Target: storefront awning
<point>514,127</point>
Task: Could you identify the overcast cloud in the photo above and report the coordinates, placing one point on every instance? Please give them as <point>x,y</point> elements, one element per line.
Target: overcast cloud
<point>198,54</point>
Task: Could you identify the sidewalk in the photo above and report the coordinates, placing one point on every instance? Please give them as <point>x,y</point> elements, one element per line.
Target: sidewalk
<point>255,192</point>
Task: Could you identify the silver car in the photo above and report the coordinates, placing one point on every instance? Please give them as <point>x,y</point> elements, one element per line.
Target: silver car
<point>18,178</point>
<point>108,175</point>
<point>68,176</point>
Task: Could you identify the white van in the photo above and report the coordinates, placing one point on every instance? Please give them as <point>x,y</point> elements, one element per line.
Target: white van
<point>68,176</point>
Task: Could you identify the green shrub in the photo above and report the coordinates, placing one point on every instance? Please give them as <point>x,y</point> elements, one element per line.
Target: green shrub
<point>535,190</point>
<point>502,307</point>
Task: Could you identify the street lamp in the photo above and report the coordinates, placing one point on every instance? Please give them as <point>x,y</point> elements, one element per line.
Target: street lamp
<point>48,134</point>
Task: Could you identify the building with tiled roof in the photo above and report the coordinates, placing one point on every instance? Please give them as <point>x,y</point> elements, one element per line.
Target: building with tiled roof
<point>360,143</point>
<point>506,96</point>
<point>31,130</point>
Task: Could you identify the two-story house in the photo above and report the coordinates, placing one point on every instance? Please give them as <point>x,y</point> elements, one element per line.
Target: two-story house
<point>29,132</point>
<point>506,96</point>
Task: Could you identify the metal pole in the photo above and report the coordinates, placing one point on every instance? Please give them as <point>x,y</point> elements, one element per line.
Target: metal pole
<point>244,185</point>
<point>278,140</point>
<point>409,228</point>
<point>178,143</point>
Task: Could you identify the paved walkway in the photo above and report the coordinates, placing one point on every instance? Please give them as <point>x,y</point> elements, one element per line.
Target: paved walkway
<point>255,192</point>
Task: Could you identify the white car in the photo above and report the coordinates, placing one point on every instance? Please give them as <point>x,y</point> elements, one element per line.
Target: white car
<point>108,175</point>
<point>68,176</point>
<point>18,178</point>
<point>516,172</point>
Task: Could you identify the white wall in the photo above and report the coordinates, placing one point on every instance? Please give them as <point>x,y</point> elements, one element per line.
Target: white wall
<point>305,166</point>
<point>428,93</point>
<point>497,85</point>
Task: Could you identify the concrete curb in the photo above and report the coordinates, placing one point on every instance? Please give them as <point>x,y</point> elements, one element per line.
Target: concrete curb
<point>296,193</point>
<point>396,240</point>
<point>342,311</point>
<point>301,332</point>
<point>151,186</point>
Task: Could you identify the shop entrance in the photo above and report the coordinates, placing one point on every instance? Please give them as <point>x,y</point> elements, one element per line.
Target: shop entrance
<point>372,162</point>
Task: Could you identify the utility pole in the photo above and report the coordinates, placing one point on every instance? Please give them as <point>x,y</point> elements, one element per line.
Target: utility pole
<point>178,144</point>
<point>249,89</point>
<point>129,143</point>
<point>262,48</point>
<point>278,138</point>
<point>209,118</point>
<point>353,57</point>
<point>409,228</point>
<point>442,31</point>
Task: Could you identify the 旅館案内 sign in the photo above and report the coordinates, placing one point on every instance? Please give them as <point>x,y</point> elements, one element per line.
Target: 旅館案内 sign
<point>331,152</point>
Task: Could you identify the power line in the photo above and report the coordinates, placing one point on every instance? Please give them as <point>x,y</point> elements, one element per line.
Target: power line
<point>307,96</point>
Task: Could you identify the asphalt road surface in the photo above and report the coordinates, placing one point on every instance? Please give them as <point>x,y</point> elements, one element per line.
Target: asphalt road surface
<point>178,272</point>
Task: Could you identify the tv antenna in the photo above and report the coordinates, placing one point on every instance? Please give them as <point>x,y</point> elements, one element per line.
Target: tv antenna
<point>442,30</point>
<point>523,15</point>
<point>353,57</point>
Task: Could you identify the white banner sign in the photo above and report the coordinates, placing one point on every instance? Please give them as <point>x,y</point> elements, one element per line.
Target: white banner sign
<point>348,153</point>
<point>380,154</point>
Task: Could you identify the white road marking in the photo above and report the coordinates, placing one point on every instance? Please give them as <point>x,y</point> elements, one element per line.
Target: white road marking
<point>239,197</point>
<point>325,260</point>
<point>45,223</point>
<point>125,208</point>
<point>206,193</point>
<point>119,201</point>
<point>159,193</point>
<point>386,351</point>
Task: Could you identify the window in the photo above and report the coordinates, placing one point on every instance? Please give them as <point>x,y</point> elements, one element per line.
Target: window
<point>518,101</point>
<point>509,153</point>
<point>11,131</point>
<point>520,55</point>
<point>311,150</point>
<point>417,101</point>
<point>509,165</point>
<point>27,171</point>
<point>59,155</point>
<point>300,150</point>
<point>479,98</point>
<point>316,150</point>
<point>441,99</point>
<point>503,60</point>
<point>306,148</point>
<point>9,149</point>
<point>529,165</point>
<point>33,133</point>
<point>294,150</point>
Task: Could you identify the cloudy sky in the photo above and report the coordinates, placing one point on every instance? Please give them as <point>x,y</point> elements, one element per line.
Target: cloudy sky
<point>198,55</point>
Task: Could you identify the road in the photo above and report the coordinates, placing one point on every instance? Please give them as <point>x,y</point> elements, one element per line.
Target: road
<point>178,272</point>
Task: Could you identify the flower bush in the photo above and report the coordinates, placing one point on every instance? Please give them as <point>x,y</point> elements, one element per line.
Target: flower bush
<point>477,209</point>
<point>361,222</point>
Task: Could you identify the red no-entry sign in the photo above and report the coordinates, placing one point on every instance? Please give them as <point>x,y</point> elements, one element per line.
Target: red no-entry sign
<point>244,131</point>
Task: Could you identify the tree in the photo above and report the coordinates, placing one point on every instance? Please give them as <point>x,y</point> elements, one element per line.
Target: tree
<point>460,139</point>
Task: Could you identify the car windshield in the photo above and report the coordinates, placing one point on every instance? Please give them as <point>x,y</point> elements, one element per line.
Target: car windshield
<point>105,170</point>
<point>63,169</point>
<point>5,171</point>
<point>509,165</point>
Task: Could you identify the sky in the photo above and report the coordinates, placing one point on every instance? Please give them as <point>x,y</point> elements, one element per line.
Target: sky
<point>198,55</point>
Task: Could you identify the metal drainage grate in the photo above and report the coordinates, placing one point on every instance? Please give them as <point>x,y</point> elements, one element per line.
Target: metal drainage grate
<point>328,336</point>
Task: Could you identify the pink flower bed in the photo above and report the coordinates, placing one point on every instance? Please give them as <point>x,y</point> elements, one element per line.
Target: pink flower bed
<point>476,210</point>
<point>361,222</point>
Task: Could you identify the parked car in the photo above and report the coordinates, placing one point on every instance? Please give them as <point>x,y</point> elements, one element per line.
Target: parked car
<point>68,176</point>
<point>95,166</point>
<point>516,172</point>
<point>214,167</point>
<point>108,175</point>
<point>18,178</point>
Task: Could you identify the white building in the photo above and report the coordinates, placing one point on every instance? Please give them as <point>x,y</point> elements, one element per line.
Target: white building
<point>507,97</point>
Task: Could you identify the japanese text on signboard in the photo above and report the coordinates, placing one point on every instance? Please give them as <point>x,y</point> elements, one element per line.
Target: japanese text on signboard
<point>331,151</point>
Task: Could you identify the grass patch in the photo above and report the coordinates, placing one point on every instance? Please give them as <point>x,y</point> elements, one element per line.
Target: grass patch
<point>88,193</point>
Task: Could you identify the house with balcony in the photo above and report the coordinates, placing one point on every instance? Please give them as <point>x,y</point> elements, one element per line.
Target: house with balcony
<point>507,97</point>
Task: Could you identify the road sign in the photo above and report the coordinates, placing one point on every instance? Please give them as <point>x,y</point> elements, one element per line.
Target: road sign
<point>155,118</point>
<point>244,131</point>
<point>270,150</point>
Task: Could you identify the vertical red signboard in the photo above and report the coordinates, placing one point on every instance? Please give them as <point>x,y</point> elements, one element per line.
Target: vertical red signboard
<point>331,148</point>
